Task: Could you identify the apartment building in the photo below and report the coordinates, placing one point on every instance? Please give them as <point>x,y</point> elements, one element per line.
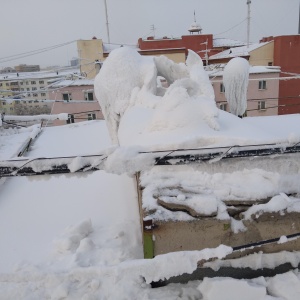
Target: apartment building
<point>77,98</point>
<point>31,89</point>
<point>262,94</point>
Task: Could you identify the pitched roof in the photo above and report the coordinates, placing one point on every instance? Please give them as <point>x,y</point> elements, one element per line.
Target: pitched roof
<point>238,51</point>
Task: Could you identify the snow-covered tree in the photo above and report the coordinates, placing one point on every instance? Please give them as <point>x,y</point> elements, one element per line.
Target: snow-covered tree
<point>235,79</point>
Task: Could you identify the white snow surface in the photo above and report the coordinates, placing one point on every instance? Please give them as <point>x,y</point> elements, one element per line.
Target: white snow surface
<point>75,237</point>
<point>189,91</point>
<point>78,236</point>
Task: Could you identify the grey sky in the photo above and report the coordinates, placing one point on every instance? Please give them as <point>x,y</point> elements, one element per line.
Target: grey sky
<point>27,25</point>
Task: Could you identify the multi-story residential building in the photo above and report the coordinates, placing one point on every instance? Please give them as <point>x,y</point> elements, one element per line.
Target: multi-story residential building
<point>258,54</point>
<point>282,51</point>
<point>27,68</point>
<point>77,98</point>
<point>29,90</point>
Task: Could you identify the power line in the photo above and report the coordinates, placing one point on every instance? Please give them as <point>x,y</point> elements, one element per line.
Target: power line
<point>33,52</point>
<point>232,27</point>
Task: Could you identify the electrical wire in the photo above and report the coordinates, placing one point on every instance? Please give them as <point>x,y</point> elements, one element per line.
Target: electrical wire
<point>31,53</point>
<point>231,27</point>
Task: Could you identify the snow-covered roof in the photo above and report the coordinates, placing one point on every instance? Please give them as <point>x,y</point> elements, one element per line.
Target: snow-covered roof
<point>75,235</point>
<point>109,47</point>
<point>39,75</point>
<point>224,42</point>
<point>76,82</point>
<point>238,51</point>
<point>90,203</point>
<point>218,70</point>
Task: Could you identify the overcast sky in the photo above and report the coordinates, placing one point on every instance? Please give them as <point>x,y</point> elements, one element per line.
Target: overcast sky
<point>27,25</point>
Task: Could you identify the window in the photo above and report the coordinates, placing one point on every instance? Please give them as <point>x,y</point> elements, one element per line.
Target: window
<point>41,82</point>
<point>270,63</point>
<point>67,96</point>
<point>34,95</point>
<point>89,96</point>
<point>27,82</point>
<point>70,119</point>
<point>33,82</point>
<point>3,103</point>
<point>222,88</point>
<point>28,89</point>
<point>91,116</point>
<point>261,105</point>
<point>223,106</point>
<point>7,84</point>
<point>43,94</point>
<point>34,88</point>
<point>0,83</point>
<point>21,83</point>
<point>262,85</point>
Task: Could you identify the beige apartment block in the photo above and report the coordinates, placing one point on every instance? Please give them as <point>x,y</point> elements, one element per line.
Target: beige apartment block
<point>89,51</point>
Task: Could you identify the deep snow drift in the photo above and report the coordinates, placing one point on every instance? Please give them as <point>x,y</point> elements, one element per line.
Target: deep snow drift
<point>189,92</point>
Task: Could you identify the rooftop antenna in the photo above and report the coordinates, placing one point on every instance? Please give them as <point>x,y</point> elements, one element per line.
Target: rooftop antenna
<point>152,27</point>
<point>248,23</point>
<point>195,27</point>
<point>107,24</point>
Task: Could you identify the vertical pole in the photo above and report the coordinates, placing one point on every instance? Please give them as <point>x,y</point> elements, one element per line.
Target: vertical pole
<point>107,25</point>
<point>248,23</point>
<point>299,21</point>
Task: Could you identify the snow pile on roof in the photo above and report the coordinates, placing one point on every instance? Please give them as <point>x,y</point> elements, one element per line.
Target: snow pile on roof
<point>206,188</point>
<point>189,98</point>
<point>13,140</point>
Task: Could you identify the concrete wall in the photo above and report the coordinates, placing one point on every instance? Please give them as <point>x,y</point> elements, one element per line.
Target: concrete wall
<point>77,106</point>
<point>262,56</point>
<point>88,52</point>
<point>209,233</point>
<point>286,55</point>
<point>178,56</point>
<point>254,95</point>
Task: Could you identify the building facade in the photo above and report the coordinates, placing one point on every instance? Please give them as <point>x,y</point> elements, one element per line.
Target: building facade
<point>77,98</point>
<point>262,94</point>
<point>89,52</point>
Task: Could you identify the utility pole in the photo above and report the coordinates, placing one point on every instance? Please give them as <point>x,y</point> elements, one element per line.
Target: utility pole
<point>248,23</point>
<point>107,25</point>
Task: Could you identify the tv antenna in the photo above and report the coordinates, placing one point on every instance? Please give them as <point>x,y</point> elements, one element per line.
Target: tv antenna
<point>152,27</point>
